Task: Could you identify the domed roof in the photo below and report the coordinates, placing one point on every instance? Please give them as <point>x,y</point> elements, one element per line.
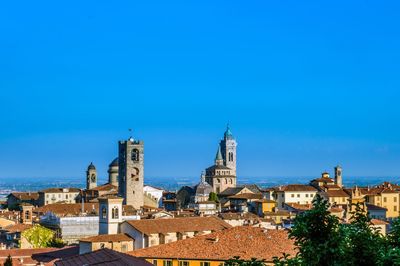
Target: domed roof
<point>203,188</point>
<point>91,167</point>
<point>228,133</point>
<point>114,162</point>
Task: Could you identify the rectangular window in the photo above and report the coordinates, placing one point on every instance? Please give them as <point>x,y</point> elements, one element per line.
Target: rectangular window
<point>66,196</point>
<point>292,195</point>
<point>205,263</point>
<point>384,199</point>
<point>306,195</point>
<point>298,195</point>
<point>395,199</point>
<point>167,263</point>
<point>395,208</point>
<point>155,262</point>
<point>183,263</point>
<point>124,248</point>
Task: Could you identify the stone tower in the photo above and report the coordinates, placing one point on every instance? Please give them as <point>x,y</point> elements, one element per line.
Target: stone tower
<point>26,213</point>
<point>91,177</point>
<point>338,176</point>
<point>228,147</point>
<point>131,172</point>
<point>110,214</point>
<point>219,176</point>
<point>113,173</point>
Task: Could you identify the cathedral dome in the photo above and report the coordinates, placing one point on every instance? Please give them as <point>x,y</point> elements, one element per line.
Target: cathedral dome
<point>203,188</point>
<point>91,167</point>
<point>114,162</point>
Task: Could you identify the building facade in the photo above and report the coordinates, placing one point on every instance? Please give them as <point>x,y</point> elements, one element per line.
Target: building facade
<point>131,172</point>
<point>222,174</point>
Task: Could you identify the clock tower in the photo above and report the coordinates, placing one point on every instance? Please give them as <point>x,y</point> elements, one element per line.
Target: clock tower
<point>338,176</point>
<point>91,177</point>
<point>131,172</point>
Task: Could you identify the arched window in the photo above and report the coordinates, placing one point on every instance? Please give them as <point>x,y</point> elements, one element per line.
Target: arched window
<point>230,157</point>
<point>27,215</point>
<point>115,213</point>
<point>104,213</point>
<point>135,155</point>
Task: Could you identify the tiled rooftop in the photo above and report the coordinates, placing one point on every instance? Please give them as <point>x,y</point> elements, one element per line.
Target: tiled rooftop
<point>246,242</point>
<point>107,238</point>
<point>186,224</point>
<point>102,257</point>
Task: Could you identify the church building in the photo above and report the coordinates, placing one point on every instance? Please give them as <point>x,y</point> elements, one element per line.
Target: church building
<point>222,174</point>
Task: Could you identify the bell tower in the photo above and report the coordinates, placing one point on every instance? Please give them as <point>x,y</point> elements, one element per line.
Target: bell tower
<point>91,177</point>
<point>228,148</point>
<point>110,214</point>
<point>131,172</point>
<point>338,176</point>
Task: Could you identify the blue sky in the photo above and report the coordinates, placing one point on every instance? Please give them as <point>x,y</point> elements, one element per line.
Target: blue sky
<point>304,84</point>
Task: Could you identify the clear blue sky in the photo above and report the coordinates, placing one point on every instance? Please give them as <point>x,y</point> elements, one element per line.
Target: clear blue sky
<point>304,84</point>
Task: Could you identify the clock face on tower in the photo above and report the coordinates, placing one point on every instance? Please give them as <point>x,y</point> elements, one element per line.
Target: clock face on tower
<point>93,178</point>
<point>339,173</point>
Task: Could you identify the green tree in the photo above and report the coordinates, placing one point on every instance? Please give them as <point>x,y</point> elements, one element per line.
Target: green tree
<point>8,261</point>
<point>213,197</point>
<point>236,261</point>
<point>322,240</point>
<point>391,254</point>
<point>39,236</point>
<point>364,244</point>
<point>318,236</point>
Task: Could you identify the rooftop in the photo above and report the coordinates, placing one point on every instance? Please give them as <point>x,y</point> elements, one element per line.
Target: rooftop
<point>60,190</point>
<point>297,188</point>
<point>38,255</point>
<point>17,228</point>
<point>246,242</point>
<point>107,238</point>
<point>184,224</point>
<point>25,195</point>
<point>246,196</point>
<point>106,257</point>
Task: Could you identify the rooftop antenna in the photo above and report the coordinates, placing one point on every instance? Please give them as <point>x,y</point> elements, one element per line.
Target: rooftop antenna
<point>130,133</point>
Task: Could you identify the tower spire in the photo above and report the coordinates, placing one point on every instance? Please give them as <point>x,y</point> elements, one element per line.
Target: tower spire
<point>218,157</point>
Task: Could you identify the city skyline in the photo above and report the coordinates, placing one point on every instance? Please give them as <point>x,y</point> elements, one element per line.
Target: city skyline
<point>304,86</point>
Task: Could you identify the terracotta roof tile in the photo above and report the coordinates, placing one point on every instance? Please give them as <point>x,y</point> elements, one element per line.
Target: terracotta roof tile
<point>378,222</point>
<point>105,187</point>
<point>16,228</point>
<point>297,187</point>
<point>106,257</point>
<point>25,195</point>
<point>238,216</point>
<point>246,242</point>
<point>47,256</point>
<point>186,224</point>
<point>337,193</point>
<point>246,196</point>
<point>71,209</point>
<point>60,190</point>
<point>107,238</point>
